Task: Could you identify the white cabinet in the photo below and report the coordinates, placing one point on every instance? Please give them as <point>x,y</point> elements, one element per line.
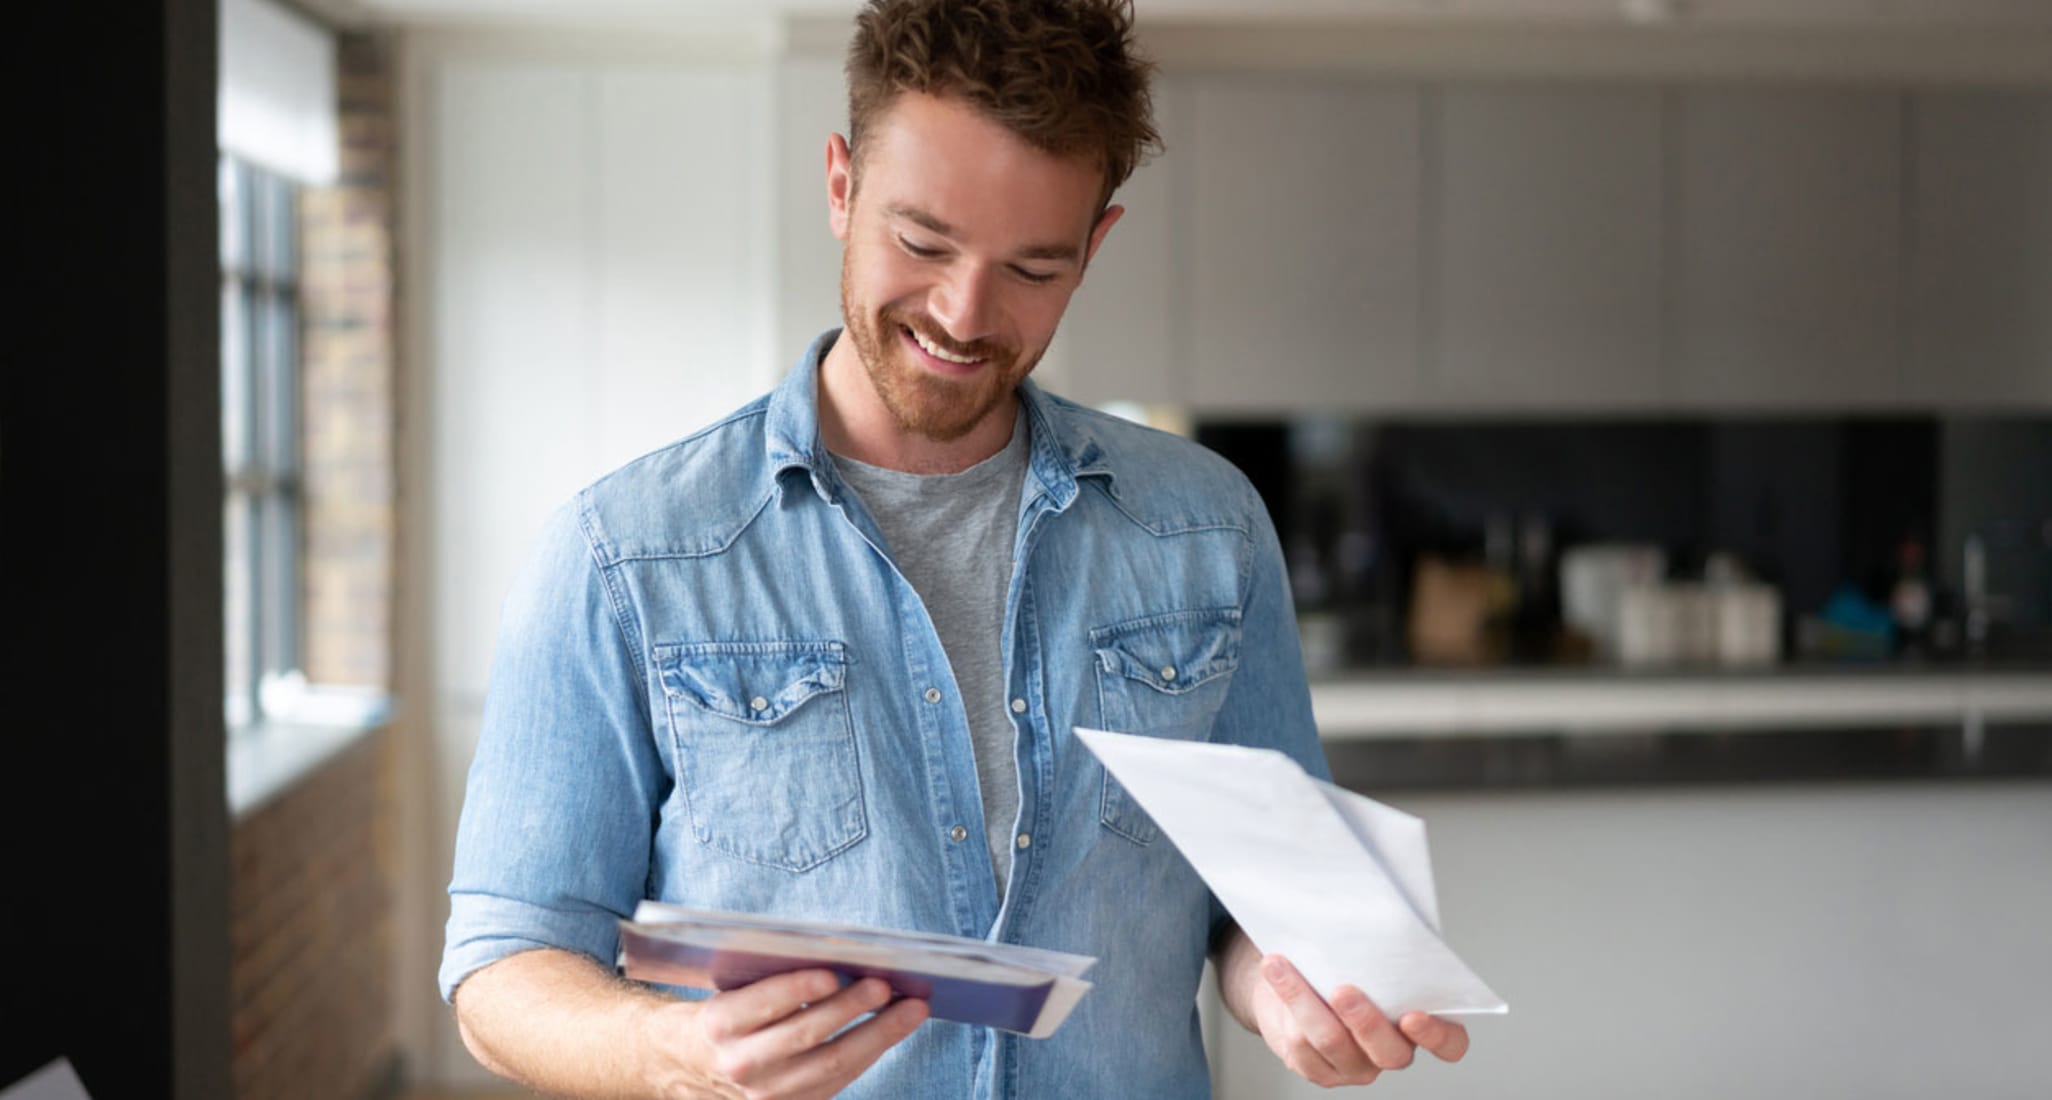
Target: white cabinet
<point>1314,242</point>
<point>1546,285</point>
<point>1787,283</point>
<point>1304,236</point>
<point>1980,262</point>
<point>1122,338</point>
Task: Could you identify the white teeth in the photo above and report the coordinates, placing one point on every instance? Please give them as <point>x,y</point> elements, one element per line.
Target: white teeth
<point>936,352</point>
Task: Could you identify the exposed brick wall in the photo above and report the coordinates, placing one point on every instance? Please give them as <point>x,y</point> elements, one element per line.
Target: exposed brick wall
<point>349,339</point>
<point>310,937</point>
<point>312,925</point>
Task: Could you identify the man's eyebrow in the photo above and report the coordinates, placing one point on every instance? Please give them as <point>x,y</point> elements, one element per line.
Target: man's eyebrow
<point>918,217</point>
<point>1063,252</point>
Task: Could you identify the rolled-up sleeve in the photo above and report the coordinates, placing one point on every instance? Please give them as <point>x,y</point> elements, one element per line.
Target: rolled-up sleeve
<point>552,848</point>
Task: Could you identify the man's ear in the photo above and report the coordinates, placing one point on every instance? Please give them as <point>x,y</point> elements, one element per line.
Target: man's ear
<point>1109,218</point>
<point>840,182</point>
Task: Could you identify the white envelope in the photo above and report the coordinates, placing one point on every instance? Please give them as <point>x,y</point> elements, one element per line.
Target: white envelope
<point>1339,883</point>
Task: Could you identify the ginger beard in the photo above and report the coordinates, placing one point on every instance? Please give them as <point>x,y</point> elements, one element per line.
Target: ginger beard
<point>921,400</point>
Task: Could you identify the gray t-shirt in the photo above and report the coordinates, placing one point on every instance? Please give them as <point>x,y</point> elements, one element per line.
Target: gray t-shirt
<point>951,535</point>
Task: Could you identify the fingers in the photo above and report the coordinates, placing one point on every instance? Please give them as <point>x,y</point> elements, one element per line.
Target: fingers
<point>1386,1046</point>
<point>827,1069</point>
<point>1323,1051</point>
<point>1447,1040</point>
<point>813,1026</point>
<point>806,1052</point>
<point>755,1006</point>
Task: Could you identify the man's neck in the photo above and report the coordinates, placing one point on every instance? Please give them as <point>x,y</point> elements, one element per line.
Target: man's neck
<point>854,421</point>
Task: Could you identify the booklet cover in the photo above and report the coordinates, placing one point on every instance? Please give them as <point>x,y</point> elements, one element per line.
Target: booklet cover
<point>1023,989</point>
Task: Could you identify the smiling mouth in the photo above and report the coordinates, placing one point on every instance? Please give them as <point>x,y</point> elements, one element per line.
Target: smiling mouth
<point>939,354</point>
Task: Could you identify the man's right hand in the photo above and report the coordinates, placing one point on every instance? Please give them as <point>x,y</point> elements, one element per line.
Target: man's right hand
<point>781,1037</point>
<point>561,1024</point>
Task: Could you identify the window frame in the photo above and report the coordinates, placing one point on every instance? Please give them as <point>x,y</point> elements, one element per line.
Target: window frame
<point>263,462</point>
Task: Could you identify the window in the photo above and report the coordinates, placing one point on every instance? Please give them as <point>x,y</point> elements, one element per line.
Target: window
<point>260,435</point>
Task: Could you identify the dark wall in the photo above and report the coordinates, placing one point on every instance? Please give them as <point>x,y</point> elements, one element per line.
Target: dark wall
<point>116,824</point>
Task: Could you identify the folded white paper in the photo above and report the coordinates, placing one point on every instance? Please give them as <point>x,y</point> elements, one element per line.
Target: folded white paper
<point>1337,882</point>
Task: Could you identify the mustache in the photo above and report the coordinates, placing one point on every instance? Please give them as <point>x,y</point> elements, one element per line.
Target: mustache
<point>980,349</point>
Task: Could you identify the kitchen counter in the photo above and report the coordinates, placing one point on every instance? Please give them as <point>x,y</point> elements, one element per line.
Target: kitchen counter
<point>1407,703</point>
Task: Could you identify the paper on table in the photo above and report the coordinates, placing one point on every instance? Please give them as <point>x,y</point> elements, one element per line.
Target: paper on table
<point>1339,883</point>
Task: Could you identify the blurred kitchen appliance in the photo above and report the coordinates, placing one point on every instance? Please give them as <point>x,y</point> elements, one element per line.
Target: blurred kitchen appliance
<point>1734,623</point>
<point>1593,580</point>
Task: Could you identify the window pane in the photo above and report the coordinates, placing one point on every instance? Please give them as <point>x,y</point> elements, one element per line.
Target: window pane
<point>276,231</point>
<point>234,225</point>
<point>278,598</point>
<point>277,368</point>
<point>237,423</point>
<point>282,367</point>
<point>237,576</point>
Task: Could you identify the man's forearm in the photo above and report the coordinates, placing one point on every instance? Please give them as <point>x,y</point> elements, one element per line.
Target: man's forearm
<point>560,1024</point>
<point>1238,962</point>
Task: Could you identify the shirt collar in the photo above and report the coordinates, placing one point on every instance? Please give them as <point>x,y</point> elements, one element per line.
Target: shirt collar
<point>1064,445</point>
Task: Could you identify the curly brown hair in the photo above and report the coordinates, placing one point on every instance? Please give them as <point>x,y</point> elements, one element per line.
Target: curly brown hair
<point>1062,74</point>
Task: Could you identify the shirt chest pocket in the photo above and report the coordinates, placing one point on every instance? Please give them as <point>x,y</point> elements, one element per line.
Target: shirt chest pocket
<point>1161,676</point>
<point>766,755</point>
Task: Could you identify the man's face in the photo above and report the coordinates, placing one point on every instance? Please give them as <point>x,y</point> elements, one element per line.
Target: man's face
<point>963,244</point>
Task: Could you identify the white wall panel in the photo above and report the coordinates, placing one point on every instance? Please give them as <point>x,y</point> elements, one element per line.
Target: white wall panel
<point>681,333</point>
<point>811,103</point>
<point>513,369</point>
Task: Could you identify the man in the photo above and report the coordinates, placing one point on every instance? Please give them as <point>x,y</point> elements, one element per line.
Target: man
<point>823,658</point>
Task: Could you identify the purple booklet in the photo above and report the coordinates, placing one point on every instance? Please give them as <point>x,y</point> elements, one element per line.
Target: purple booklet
<point>1023,989</point>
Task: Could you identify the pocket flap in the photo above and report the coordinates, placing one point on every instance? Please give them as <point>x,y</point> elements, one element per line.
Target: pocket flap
<point>759,683</point>
<point>1171,653</point>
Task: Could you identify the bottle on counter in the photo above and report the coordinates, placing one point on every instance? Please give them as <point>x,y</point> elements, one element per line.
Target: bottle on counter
<point>1974,595</point>
<point>1910,600</point>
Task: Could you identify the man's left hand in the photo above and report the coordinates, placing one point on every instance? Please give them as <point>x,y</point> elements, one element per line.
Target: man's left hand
<point>1346,1042</point>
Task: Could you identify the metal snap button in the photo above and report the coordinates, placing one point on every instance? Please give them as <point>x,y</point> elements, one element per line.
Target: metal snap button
<point>1025,840</point>
<point>1018,706</point>
<point>958,833</point>
<point>1168,672</point>
<point>758,703</point>
<point>933,695</point>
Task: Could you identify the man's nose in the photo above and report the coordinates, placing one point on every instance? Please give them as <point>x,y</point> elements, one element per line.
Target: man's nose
<point>963,303</point>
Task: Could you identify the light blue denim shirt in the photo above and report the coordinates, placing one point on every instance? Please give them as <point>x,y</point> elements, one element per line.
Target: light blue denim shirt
<point>713,687</point>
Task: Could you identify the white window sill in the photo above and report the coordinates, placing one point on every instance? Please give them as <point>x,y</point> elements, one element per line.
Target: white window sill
<point>267,758</point>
